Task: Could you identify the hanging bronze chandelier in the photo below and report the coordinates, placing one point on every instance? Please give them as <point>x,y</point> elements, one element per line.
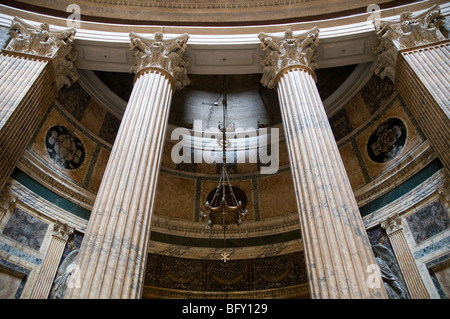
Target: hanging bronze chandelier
<point>224,209</point>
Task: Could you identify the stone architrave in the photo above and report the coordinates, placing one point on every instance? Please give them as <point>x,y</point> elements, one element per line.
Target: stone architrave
<point>415,55</point>
<point>112,257</point>
<point>337,250</point>
<point>49,267</point>
<point>36,63</point>
<point>394,230</point>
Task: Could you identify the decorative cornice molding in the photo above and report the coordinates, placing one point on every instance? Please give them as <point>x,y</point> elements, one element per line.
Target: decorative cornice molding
<point>410,31</point>
<point>163,54</point>
<point>41,41</point>
<point>280,53</point>
<point>36,203</point>
<point>401,204</point>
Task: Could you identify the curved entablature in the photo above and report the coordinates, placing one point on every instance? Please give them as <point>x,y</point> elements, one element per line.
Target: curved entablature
<point>222,50</point>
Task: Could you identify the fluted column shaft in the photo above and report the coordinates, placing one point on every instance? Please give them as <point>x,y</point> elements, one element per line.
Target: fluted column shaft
<point>36,63</point>
<point>415,55</point>
<point>113,253</point>
<point>112,257</point>
<point>26,90</point>
<point>337,250</point>
<point>423,81</point>
<point>406,262</point>
<point>49,267</point>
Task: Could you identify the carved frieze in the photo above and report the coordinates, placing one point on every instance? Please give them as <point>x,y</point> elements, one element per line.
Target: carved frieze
<point>54,44</point>
<point>409,32</point>
<point>162,54</point>
<point>289,50</point>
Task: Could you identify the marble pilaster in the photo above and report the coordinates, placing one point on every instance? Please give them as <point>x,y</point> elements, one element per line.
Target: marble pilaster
<point>113,253</point>
<point>36,63</point>
<point>6,201</point>
<point>394,229</point>
<point>336,246</point>
<point>49,267</point>
<point>415,55</point>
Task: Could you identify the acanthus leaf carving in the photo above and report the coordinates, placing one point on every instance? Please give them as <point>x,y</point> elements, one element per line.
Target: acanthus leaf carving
<point>160,53</point>
<point>41,41</point>
<point>61,230</point>
<point>406,33</point>
<point>392,224</point>
<point>281,52</point>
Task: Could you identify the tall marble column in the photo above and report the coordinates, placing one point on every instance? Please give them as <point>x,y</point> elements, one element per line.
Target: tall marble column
<point>410,272</point>
<point>36,63</point>
<point>113,253</point>
<point>415,55</point>
<point>337,250</point>
<point>49,267</point>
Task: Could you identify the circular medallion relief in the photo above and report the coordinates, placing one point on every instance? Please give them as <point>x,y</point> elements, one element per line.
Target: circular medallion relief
<point>64,147</point>
<point>387,141</point>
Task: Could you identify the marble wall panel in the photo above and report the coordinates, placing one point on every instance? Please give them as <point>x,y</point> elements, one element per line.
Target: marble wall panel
<point>175,196</point>
<point>357,111</point>
<point>428,221</point>
<point>276,195</point>
<point>9,284</point>
<point>340,124</point>
<point>74,99</point>
<point>25,229</point>
<point>166,159</point>
<point>283,154</point>
<point>352,165</point>
<point>376,93</point>
<point>109,128</point>
<point>98,170</point>
<point>93,117</point>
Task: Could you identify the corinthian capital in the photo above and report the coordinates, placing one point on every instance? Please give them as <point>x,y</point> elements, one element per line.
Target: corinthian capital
<point>41,41</point>
<point>61,230</point>
<point>162,54</point>
<point>392,224</point>
<point>407,32</point>
<point>281,52</point>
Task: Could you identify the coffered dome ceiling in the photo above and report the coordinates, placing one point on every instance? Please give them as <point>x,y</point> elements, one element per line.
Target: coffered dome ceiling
<point>206,12</point>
